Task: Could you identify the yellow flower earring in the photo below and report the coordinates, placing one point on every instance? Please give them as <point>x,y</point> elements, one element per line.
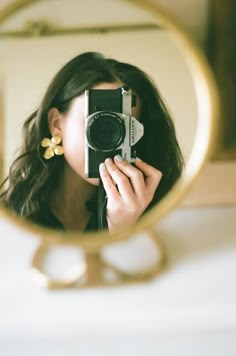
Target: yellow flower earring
<point>53,147</point>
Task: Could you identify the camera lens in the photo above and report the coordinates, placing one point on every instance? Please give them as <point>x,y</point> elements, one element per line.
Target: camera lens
<point>105,131</point>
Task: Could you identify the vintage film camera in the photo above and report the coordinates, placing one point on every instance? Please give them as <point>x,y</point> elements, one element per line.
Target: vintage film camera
<point>110,128</point>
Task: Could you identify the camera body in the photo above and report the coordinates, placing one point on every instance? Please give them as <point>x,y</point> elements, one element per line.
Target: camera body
<point>109,127</point>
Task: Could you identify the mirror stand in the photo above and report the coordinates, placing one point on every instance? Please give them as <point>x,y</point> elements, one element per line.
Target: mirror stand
<point>93,270</point>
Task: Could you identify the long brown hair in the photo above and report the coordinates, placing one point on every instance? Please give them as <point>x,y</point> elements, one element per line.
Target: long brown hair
<point>31,179</point>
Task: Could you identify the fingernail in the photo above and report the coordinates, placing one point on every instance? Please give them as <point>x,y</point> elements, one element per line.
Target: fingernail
<point>103,167</point>
<point>118,158</point>
<point>138,159</point>
<point>108,161</point>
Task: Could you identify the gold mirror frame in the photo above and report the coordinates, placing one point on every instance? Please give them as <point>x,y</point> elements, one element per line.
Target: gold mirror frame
<point>208,107</point>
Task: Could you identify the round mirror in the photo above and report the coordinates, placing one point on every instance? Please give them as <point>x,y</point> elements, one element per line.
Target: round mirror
<point>40,37</point>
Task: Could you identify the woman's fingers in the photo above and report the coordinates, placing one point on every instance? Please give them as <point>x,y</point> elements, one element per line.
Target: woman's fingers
<point>121,179</point>
<point>152,175</point>
<point>135,176</point>
<point>129,189</point>
<point>108,183</point>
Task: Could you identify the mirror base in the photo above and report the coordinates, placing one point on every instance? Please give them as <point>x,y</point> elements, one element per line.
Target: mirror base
<point>94,271</point>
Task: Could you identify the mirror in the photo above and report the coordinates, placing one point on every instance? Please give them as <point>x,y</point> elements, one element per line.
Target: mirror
<point>43,36</point>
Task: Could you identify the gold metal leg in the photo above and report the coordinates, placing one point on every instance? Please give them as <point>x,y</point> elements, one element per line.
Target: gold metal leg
<point>94,270</point>
<point>38,266</point>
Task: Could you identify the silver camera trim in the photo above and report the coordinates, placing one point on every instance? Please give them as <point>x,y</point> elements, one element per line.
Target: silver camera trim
<point>132,125</point>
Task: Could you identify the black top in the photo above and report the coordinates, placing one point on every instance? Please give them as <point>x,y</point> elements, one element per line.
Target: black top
<point>46,218</point>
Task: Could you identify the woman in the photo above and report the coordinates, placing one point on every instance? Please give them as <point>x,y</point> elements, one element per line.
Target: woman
<point>46,182</point>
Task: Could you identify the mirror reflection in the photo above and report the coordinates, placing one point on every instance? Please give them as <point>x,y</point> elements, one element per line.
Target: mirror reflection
<point>107,118</point>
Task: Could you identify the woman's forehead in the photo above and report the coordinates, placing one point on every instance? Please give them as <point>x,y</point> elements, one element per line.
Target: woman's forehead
<point>107,85</point>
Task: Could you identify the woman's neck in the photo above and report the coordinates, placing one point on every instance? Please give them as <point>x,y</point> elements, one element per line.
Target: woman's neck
<point>68,200</point>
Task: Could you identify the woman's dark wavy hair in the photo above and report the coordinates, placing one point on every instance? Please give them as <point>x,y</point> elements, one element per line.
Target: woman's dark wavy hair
<point>31,178</point>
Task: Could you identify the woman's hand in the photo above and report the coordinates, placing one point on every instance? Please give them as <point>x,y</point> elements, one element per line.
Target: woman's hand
<point>129,189</point>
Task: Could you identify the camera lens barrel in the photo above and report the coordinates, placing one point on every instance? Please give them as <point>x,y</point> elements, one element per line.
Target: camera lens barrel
<point>105,131</point>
